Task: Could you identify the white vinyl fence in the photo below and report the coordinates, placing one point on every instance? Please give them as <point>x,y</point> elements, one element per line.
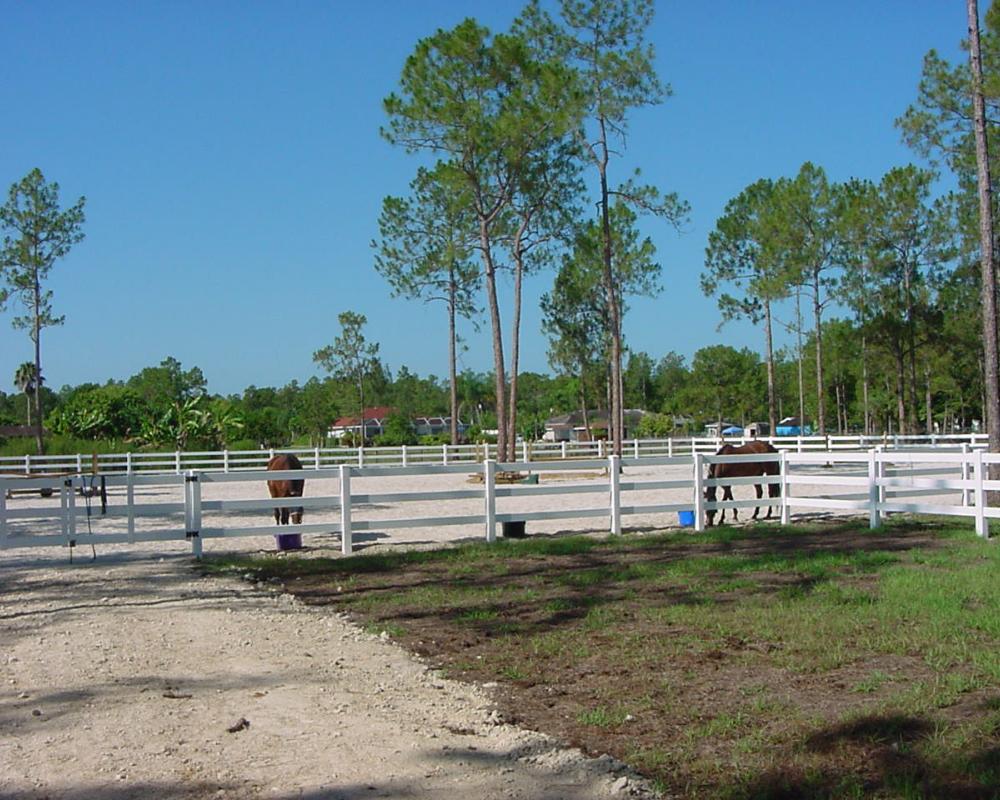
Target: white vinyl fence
<point>180,462</point>
<point>131,508</point>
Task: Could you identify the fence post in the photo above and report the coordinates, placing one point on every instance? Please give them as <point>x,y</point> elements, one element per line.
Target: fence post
<point>982,525</point>
<point>361,456</point>
<point>3,513</point>
<point>406,457</point>
<point>66,492</point>
<point>880,462</point>
<point>670,447</point>
<point>784,507</point>
<point>346,542</point>
<point>563,448</point>
<point>225,460</point>
<point>635,443</point>
<point>600,448</point>
<point>177,462</point>
<point>316,457</point>
<point>699,493</point>
<point>192,511</point>
<point>965,474</point>
<point>130,506</point>
<point>874,498</point>
<point>27,463</point>
<point>79,464</point>
<point>614,462</point>
<point>490,494</point>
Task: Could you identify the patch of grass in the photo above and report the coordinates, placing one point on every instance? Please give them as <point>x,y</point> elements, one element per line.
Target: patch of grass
<point>767,662</point>
<point>513,673</point>
<point>875,680</point>
<point>602,717</point>
<point>378,628</point>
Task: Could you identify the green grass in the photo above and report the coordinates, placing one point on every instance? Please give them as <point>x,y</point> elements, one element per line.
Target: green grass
<point>744,662</point>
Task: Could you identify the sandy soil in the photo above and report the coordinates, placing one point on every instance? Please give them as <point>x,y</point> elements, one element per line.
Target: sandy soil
<point>130,677</point>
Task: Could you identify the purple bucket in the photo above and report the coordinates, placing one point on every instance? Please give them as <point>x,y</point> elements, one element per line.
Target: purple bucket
<point>289,541</point>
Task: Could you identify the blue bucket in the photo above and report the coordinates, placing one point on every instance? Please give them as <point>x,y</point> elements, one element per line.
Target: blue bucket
<point>289,541</point>
<point>686,518</point>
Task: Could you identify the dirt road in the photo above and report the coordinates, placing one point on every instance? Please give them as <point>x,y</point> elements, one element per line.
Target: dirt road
<point>132,677</point>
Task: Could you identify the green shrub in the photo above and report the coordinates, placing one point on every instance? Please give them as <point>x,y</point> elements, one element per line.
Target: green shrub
<point>655,426</point>
<point>398,431</point>
<point>244,444</point>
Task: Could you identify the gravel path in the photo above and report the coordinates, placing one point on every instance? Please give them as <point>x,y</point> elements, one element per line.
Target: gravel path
<point>130,677</point>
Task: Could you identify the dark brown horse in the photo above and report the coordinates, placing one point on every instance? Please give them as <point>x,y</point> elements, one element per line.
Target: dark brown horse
<point>743,469</point>
<point>286,488</point>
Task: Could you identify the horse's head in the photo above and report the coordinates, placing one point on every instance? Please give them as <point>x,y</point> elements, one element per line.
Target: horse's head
<point>710,498</point>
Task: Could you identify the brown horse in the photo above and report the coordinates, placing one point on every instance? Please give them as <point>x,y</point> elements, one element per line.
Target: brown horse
<point>742,469</point>
<point>286,488</point>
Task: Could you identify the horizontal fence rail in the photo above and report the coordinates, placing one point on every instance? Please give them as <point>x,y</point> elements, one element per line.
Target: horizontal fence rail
<point>72,510</point>
<point>179,462</point>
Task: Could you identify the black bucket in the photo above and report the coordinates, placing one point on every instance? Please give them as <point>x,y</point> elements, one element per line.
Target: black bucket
<point>513,530</point>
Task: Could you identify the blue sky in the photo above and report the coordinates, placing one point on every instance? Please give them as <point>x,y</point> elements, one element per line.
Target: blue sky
<point>230,156</point>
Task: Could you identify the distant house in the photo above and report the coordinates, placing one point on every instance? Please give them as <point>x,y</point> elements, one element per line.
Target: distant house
<point>374,423</point>
<point>570,427</point>
<point>717,429</point>
<point>432,426</point>
<point>376,418</point>
<point>758,429</point>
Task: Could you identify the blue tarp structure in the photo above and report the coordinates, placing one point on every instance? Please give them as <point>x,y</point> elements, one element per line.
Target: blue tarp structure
<point>790,426</point>
<point>733,430</point>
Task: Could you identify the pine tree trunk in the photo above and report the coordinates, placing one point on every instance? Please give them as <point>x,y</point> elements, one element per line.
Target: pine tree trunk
<point>514,354</point>
<point>500,379</point>
<point>900,389</point>
<point>911,343</point>
<point>798,333</point>
<point>452,369</point>
<point>818,320</point>
<point>989,282</point>
<point>864,386</point>
<point>39,434</point>
<point>928,400</point>
<point>772,413</point>
<point>611,295</point>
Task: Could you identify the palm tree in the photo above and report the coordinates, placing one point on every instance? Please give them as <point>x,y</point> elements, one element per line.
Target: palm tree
<point>24,380</point>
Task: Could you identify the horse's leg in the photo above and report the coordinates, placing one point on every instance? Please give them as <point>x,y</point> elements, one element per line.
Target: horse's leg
<point>727,494</point>
<point>760,493</point>
<point>284,516</point>
<point>773,491</point>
